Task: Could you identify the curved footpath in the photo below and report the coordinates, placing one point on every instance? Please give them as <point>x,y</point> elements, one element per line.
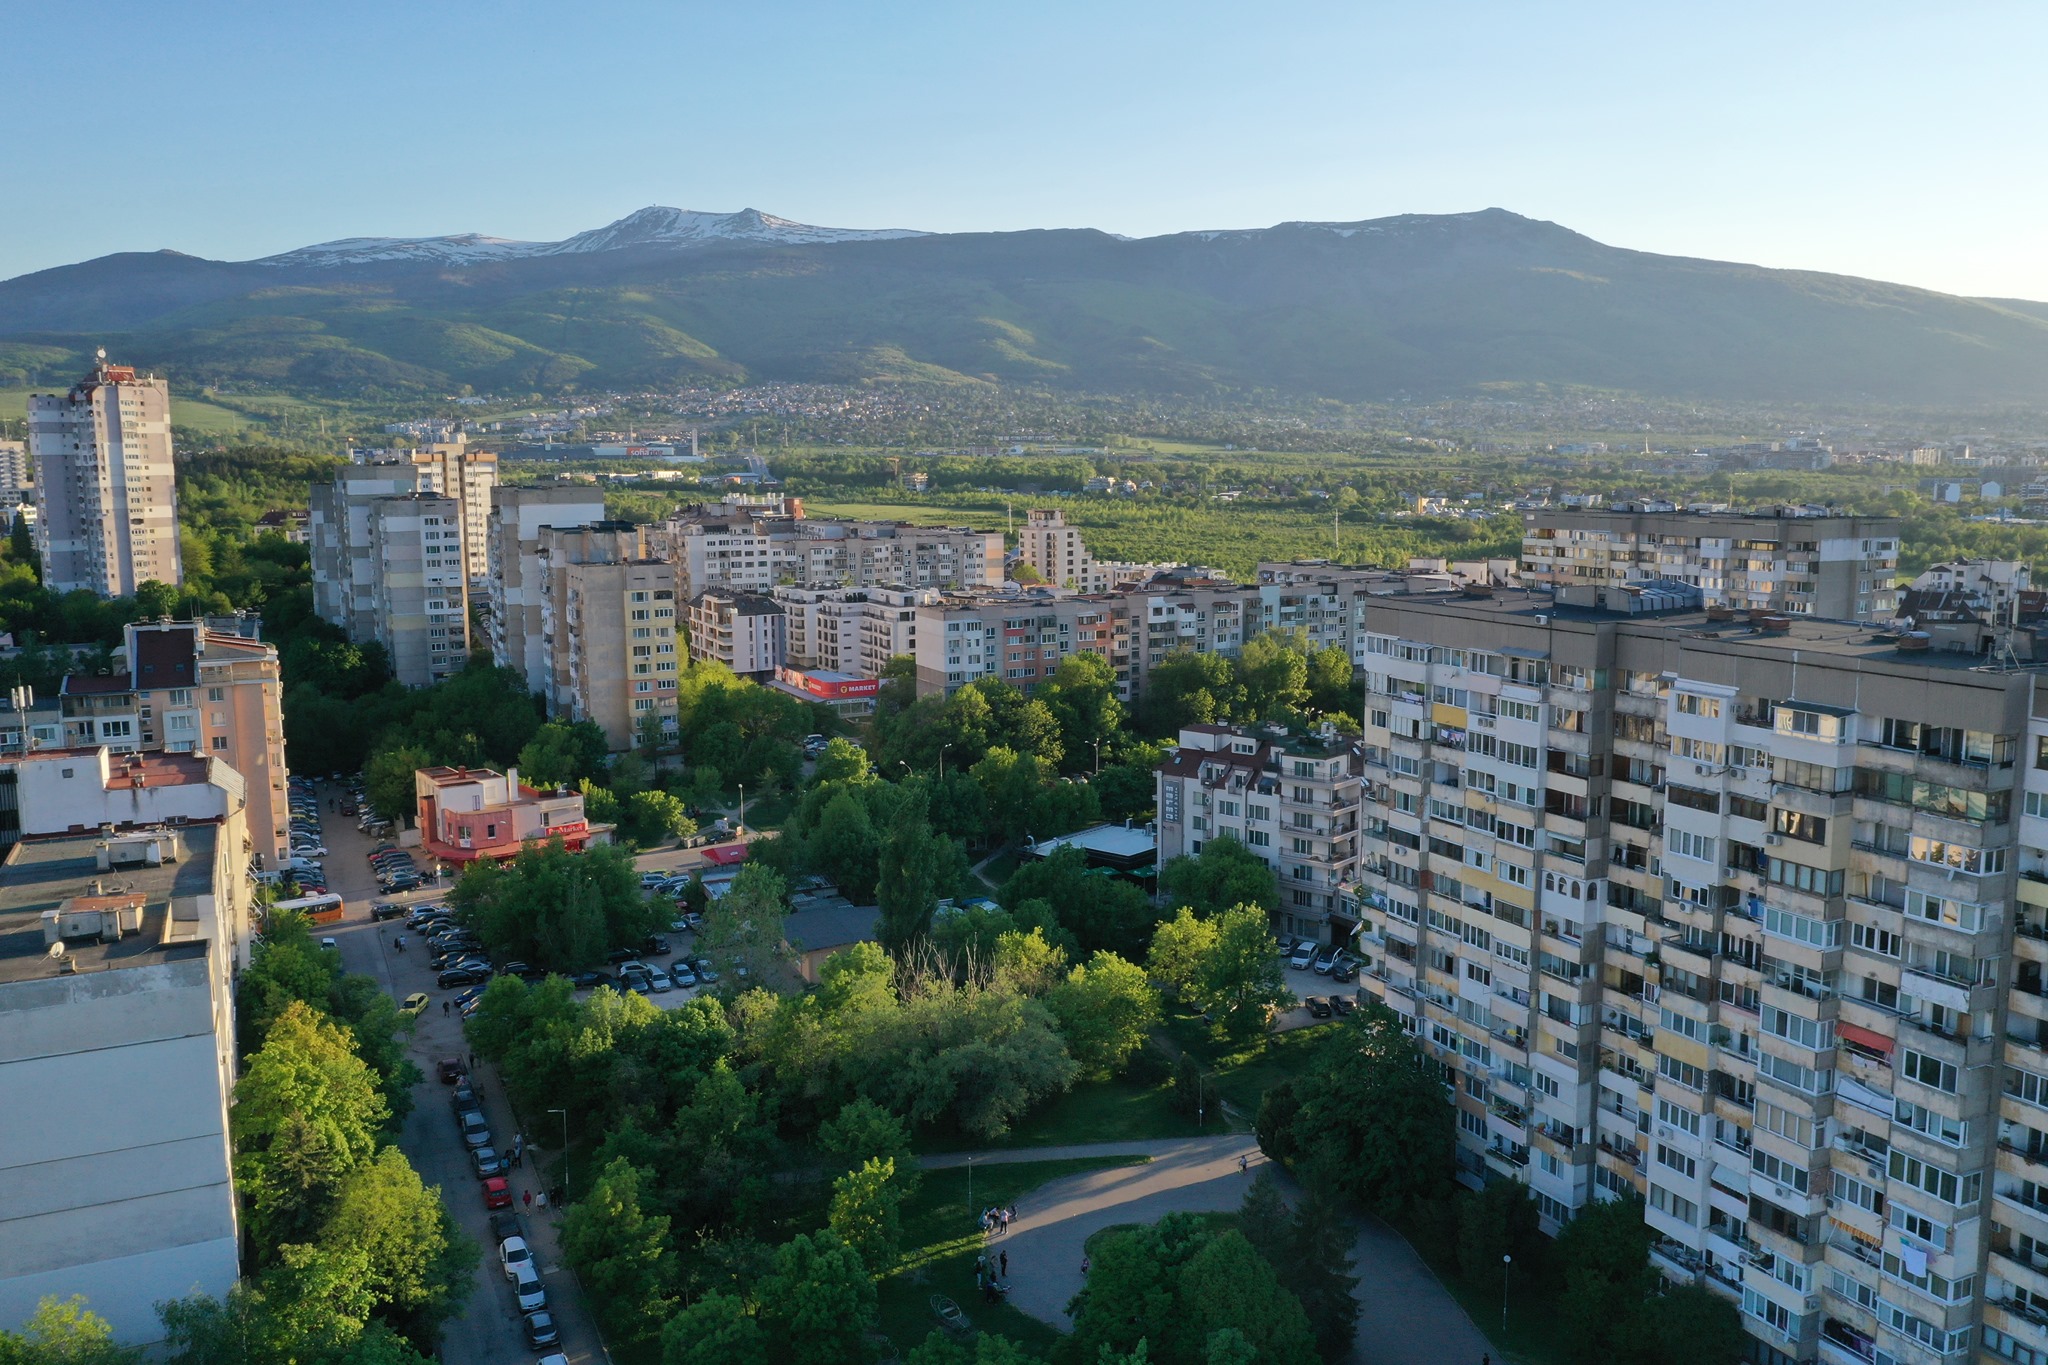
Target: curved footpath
<point>1406,1317</point>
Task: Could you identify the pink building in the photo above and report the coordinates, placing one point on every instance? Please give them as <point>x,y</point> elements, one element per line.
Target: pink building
<point>471,813</point>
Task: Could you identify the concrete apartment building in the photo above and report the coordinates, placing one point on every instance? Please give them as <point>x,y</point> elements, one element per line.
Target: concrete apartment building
<point>17,485</point>
<point>1054,549</point>
<point>419,592</point>
<point>106,492</point>
<point>1292,798</point>
<point>470,477</point>
<point>745,631</point>
<point>1018,636</point>
<point>608,627</point>
<point>124,913</point>
<point>1802,561</point>
<point>512,556</point>
<point>851,630</point>
<point>753,544</point>
<point>1746,919</point>
<point>179,687</point>
<point>338,533</point>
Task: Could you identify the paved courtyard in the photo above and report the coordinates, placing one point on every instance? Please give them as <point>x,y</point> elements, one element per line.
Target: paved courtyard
<point>1406,1317</point>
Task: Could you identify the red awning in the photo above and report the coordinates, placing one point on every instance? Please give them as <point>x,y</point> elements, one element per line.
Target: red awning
<point>1863,1037</point>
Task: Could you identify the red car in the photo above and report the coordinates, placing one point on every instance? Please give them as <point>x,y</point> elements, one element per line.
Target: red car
<point>452,1070</point>
<point>497,1194</point>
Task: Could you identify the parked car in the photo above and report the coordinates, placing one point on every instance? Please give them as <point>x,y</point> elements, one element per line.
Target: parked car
<point>650,880</point>
<point>466,974</point>
<point>590,981</point>
<point>705,973</point>
<point>540,1329</point>
<point>531,1294</point>
<point>451,1069</point>
<point>656,945</point>
<point>657,981</point>
<point>497,1194</point>
<point>1318,1007</point>
<point>473,993</point>
<point>1345,970</point>
<point>1343,1004</point>
<point>415,1004</point>
<point>524,971</point>
<point>382,910</point>
<point>1304,957</point>
<point>405,882</point>
<point>475,1132</point>
<point>504,1225</point>
<point>619,957</point>
<point>487,1163</point>
<point>465,1096</point>
<point>513,1252</point>
<point>1283,945</point>
<point>683,975</point>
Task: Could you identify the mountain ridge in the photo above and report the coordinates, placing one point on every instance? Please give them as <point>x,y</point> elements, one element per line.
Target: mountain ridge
<point>1407,305</point>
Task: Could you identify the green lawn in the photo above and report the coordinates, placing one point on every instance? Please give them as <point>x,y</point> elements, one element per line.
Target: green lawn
<point>1534,1334</point>
<point>1246,1071</point>
<point>999,869</point>
<point>1120,1110</point>
<point>942,1238</point>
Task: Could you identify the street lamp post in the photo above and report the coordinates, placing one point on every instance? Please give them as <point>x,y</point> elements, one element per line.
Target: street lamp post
<point>942,761</point>
<point>970,1184</point>
<point>565,1149</point>
<point>1505,1261</point>
<point>743,809</point>
<point>1098,756</point>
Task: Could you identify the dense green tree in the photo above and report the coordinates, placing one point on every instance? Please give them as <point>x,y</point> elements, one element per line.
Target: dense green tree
<point>1011,781</point>
<point>307,1114</point>
<point>64,1332</point>
<point>862,1130</point>
<point>556,909</point>
<point>866,1213</point>
<point>845,847</point>
<point>964,937</point>
<point>563,753</point>
<point>1099,911</point>
<point>1223,874</point>
<point>1605,1252</point>
<point>1124,791</point>
<point>388,779</point>
<point>717,1329</point>
<point>818,1301</point>
<point>1266,1221</point>
<point>1318,1269</point>
<point>1106,1009</point>
<point>1689,1325</point>
<point>415,1262</point>
<point>917,868</point>
<point>842,761</point>
<point>1330,682</point>
<point>1224,966</point>
<point>1500,1220</point>
<point>1375,1116</point>
<point>655,817</point>
<point>622,1255</point>
<point>1188,688</point>
<point>1081,695</point>
<point>1228,1285</point>
<point>743,929</point>
<point>1272,668</point>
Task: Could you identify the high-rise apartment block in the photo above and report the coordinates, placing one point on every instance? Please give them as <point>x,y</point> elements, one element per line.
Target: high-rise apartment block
<point>419,592</point>
<point>179,687</point>
<point>106,491</point>
<point>745,631</point>
<point>1802,561</point>
<point>1020,637</point>
<point>1054,550</point>
<point>1292,798</point>
<point>338,528</point>
<point>17,485</point>
<point>517,604</point>
<point>851,630</point>
<point>124,915</point>
<point>470,477</point>
<point>608,627</point>
<point>1746,918</point>
<point>752,544</point>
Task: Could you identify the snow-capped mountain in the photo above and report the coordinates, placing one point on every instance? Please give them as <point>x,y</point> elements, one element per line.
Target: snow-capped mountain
<point>654,226</point>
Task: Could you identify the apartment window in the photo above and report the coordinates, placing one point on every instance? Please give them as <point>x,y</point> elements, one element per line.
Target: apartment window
<point>1931,1072</point>
<point>220,742</point>
<point>216,694</point>
<point>181,696</point>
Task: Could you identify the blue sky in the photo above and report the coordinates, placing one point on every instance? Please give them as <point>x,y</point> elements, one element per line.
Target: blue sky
<point>1894,141</point>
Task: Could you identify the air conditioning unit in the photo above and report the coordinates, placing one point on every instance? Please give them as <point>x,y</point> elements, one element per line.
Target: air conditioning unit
<point>1774,839</point>
<point>1702,769</point>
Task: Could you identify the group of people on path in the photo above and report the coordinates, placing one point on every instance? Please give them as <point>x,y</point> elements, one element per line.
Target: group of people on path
<point>995,1220</point>
<point>991,1276</point>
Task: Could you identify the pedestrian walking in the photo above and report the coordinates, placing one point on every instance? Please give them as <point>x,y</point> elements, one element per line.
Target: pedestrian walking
<point>543,1201</point>
<point>1243,1163</point>
<point>1004,1260</point>
<point>1084,1264</point>
<point>527,1195</point>
<point>472,1061</point>
<point>444,1007</point>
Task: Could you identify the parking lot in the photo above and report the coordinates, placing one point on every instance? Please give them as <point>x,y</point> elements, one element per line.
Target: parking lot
<point>488,1330</point>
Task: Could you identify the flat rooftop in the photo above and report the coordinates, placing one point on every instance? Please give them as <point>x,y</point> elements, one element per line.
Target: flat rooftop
<point>1109,841</point>
<point>1852,640</point>
<point>41,874</point>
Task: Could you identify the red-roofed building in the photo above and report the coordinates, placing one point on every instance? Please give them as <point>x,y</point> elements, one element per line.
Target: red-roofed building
<point>471,813</point>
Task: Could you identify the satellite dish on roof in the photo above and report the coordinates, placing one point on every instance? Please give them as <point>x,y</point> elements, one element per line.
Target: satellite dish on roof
<point>56,949</point>
<point>101,353</point>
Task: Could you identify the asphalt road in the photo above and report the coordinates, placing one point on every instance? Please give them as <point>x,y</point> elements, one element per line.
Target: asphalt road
<point>488,1330</point>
